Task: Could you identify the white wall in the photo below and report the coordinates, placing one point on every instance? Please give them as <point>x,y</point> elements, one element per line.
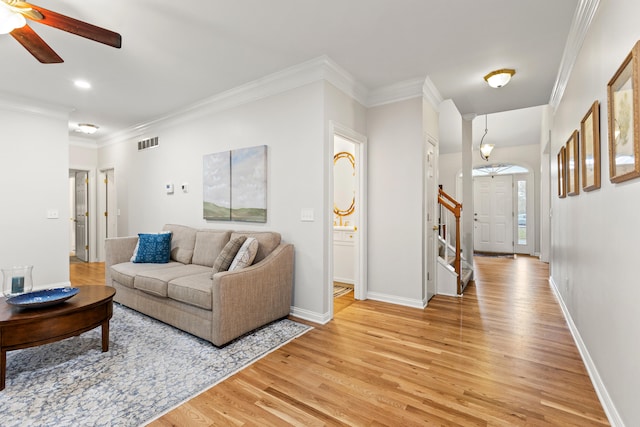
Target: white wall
<point>290,124</point>
<point>595,235</point>
<point>395,202</point>
<point>34,171</point>
<point>83,155</point>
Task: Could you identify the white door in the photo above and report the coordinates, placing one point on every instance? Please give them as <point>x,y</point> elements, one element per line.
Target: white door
<point>82,215</point>
<point>431,249</point>
<point>493,216</point>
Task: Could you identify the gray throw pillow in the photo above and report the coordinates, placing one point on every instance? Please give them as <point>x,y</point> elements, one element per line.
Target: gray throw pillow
<point>245,255</point>
<point>228,253</point>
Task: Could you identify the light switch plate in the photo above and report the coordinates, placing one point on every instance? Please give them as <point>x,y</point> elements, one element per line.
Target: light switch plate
<point>307,215</point>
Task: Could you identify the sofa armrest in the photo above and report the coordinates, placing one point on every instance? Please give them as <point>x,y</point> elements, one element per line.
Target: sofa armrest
<point>117,250</point>
<point>253,296</point>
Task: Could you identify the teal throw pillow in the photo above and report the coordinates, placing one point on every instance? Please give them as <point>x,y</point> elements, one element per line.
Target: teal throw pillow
<point>153,248</point>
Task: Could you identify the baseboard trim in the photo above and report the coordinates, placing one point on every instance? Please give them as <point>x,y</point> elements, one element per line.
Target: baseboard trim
<point>607,404</point>
<point>344,280</point>
<point>392,299</point>
<point>311,316</point>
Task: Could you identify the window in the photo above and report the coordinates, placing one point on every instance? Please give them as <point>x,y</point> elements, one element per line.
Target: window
<point>521,187</point>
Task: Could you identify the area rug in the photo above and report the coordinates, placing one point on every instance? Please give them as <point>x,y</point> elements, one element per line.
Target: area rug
<point>149,369</point>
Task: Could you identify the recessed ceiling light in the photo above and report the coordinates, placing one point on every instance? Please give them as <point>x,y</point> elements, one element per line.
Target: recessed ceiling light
<point>82,84</point>
<point>87,128</point>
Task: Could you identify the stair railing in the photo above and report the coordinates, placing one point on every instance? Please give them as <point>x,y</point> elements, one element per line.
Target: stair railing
<point>453,206</point>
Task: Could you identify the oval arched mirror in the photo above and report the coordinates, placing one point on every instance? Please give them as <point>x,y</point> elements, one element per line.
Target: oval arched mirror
<point>344,184</point>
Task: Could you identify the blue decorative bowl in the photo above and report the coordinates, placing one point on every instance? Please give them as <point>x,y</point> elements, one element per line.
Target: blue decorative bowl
<point>43,298</point>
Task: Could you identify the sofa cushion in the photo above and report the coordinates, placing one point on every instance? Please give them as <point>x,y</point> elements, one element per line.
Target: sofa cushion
<point>153,248</point>
<point>245,255</point>
<point>124,273</point>
<point>267,242</point>
<point>183,241</point>
<point>228,253</point>
<point>194,290</point>
<point>209,244</point>
<point>155,281</point>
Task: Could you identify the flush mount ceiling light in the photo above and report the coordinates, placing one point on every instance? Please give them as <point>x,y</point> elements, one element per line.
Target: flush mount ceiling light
<point>499,78</point>
<point>87,128</point>
<point>485,149</point>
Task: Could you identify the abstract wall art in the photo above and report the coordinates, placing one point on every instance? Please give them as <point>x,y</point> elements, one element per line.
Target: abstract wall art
<point>235,185</point>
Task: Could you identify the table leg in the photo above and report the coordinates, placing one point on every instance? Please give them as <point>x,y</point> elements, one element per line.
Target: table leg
<point>105,336</point>
<point>3,367</point>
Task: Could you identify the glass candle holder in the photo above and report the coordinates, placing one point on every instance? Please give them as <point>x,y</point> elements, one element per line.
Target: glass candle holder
<point>17,280</point>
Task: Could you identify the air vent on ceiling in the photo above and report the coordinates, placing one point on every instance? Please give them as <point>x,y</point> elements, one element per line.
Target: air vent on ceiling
<point>148,143</point>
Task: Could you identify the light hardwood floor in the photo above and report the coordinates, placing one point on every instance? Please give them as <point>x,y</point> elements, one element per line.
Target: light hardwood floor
<point>501,355</point>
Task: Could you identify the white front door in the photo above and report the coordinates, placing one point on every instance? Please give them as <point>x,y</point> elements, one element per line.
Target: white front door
<point>493,216</point>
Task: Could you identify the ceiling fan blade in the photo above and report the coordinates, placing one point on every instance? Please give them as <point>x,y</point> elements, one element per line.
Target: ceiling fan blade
<point>80,28</point>
<point>35,45</point>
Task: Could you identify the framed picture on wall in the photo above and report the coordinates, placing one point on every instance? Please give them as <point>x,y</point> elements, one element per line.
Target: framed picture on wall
<point>562,185</point>
<point>590,148</point>
<point>624,133</point>
<point>571,165</point>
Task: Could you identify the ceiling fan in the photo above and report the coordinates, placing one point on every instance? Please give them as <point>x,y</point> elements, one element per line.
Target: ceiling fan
<point>12,21</point>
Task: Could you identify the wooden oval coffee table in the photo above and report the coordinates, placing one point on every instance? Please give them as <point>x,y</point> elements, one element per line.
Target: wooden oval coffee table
<point>20,328</point>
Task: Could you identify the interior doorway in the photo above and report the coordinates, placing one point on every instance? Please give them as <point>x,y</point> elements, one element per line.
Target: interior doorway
<point>431,229</point>
<point>348,213</point>
<point>107,208</point>
<point>79,208</point>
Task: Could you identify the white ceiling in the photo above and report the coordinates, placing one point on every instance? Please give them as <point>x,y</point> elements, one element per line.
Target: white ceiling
<point>177,53</point>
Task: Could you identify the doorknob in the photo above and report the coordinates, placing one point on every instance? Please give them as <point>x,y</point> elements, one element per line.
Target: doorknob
<point>435,228</point>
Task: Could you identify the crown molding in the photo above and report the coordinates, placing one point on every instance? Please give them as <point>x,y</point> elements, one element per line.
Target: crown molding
<point>432,94</point>
<point>318,69</point>
<point>343,80</point>
<point>582,19</point>
<point>23,104</point>
<point>395,92</point>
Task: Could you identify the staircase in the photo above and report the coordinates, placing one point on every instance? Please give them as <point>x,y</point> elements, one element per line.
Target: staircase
<point>454,272</point>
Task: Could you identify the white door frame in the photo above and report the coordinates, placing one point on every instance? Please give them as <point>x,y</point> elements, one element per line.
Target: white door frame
<point>91,205</point>
<point>112,210</point>
<point>531,203</point>
<point>359,140</point>
<point>430,239</point>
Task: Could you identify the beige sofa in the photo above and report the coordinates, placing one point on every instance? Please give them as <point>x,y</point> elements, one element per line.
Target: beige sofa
<point>186,294</point>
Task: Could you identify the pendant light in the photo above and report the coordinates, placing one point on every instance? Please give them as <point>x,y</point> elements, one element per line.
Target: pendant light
<point>485,149</point>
